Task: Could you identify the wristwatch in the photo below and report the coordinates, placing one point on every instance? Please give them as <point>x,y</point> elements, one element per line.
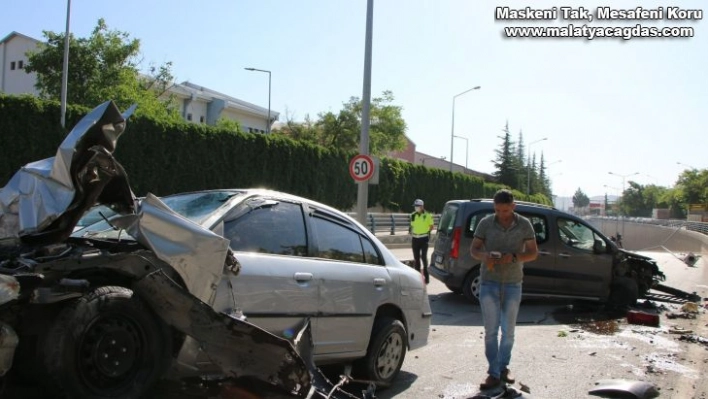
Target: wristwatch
<point>514,258</point>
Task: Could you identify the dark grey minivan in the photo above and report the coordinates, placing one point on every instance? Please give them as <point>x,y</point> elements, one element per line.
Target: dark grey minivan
<point>575,260</point>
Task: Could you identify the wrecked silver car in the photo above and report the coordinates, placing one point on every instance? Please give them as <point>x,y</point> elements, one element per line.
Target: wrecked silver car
<point>108,315</point>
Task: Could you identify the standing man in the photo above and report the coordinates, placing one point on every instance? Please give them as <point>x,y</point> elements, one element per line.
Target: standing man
<point>503,241</point>
<point>421,226</point>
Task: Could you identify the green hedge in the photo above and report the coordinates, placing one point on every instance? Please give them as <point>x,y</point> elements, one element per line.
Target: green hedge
<point>165,158</point>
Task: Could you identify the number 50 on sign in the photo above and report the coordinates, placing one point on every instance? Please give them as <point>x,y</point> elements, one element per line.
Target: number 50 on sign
<point>361,168</point>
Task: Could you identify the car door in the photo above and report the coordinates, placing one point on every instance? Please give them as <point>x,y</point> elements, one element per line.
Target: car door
<point>584,265</point>
<point>278,286</point>
<point>540,275</point>
<point>353,284</point>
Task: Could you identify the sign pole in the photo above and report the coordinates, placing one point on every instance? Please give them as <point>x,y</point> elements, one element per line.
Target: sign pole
<point>363,189</point>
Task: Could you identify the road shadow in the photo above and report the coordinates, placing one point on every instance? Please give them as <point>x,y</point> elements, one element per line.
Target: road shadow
<point>450,309</point>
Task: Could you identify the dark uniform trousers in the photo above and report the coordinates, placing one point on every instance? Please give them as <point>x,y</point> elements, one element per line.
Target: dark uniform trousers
<point>420,252</point>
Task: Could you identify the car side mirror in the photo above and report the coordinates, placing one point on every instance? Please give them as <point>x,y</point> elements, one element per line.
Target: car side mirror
<point>599,247</point>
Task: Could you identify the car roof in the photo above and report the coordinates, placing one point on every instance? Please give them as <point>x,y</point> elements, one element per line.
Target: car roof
<point>490,202</point>
<point>268,193</point>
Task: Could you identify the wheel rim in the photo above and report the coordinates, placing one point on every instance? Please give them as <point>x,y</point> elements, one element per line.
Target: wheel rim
<point>474,286</point>
<point>390,355</point>
<point>110,352</point>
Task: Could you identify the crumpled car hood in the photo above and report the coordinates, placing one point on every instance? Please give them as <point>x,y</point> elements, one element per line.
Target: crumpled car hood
<point>45,199</point>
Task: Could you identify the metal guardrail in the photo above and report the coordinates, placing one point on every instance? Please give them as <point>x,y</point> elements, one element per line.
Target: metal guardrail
<point>700,227</point>
<point>391,223</point>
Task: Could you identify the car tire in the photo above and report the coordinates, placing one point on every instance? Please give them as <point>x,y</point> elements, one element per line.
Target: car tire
<point>471,286</point>
<point>107,344</point>
<point>624,292</point>
<point>386,352</point>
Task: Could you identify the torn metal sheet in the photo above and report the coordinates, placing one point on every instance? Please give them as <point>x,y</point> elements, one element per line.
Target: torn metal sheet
<point>239,348</point>
<point>623,388</point>
<point>197,254</point>
<point>42,191</point>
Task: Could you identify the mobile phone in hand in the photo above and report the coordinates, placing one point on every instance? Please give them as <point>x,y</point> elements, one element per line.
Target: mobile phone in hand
<point>495,255</point>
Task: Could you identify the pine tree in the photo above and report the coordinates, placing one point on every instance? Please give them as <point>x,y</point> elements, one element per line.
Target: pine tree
<point>505,164</point>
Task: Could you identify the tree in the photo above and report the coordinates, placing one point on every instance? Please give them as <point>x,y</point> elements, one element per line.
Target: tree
<point>102,67</point>
<point>693,186</point>
<point>505,163</point>
<point>342,130</point>
<point>580,199</point>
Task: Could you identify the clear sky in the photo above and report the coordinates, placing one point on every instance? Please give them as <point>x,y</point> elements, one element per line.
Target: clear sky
<point>607,104</point>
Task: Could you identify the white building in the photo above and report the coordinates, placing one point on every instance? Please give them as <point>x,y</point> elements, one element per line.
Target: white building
<point>13,78</point>
<point>202,105</point>
<point>196,104</point>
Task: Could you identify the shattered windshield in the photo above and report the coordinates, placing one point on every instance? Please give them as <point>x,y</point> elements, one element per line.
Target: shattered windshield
<point>196,207</point>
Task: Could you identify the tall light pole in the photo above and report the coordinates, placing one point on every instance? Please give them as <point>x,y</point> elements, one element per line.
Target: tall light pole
<point>268,72</point>
<point>452,135</point>
<point>528,164</point>
<point>362,195</point>
<point>467,149</point>
<point>65,67</point>
<point>624,177</point>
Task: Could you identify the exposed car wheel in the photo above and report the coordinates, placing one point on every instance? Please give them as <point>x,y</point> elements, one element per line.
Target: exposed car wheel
<point>471,286</point>
<point>624,292</point>
<point>107,344</point>
<point>387,350</point>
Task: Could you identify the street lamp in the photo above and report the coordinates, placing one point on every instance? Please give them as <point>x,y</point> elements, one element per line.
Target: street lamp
<point>467,149</point>
<point>624,177</point>
<point>452,135</point>
<point>528,165</point>
<point>65,67</point>
<point>268,72</point>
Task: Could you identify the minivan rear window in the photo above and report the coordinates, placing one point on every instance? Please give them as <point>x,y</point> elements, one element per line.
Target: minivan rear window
<point>473,221</point>
<point>447,219</point>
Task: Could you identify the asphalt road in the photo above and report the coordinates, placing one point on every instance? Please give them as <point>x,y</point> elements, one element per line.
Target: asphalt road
<point>562,348</point>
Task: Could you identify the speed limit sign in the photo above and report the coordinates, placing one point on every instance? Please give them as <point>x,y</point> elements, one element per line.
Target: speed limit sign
<point>361,168</point>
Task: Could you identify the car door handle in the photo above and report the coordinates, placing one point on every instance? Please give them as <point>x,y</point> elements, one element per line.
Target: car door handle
<point>544,253</point>
<point>303,276</point>
<point>564,255</point>
<point>379,282</point>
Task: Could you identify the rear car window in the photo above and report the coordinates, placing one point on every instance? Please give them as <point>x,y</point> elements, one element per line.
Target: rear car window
<point>447,219</point>
<point>473,221</point>
<point>540,226</point>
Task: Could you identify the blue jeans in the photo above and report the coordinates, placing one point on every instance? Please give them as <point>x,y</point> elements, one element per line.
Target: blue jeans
<point>500,306</point>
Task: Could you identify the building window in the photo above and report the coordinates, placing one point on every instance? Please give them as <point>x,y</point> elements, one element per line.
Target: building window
<point>201,119</point>
<point>20,64</point>
<point>189,117</point>
<point>12,65</point>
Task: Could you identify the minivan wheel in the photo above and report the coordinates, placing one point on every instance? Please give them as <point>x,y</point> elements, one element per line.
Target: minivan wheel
<point>471,286</point>
<point>107,344</point>
<point>387,350</point>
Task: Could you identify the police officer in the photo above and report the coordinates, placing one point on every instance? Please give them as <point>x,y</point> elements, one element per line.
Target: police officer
<point>421,226</point>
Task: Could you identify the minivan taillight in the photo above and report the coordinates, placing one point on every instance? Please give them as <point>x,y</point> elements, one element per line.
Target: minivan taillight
<point>455,247</point>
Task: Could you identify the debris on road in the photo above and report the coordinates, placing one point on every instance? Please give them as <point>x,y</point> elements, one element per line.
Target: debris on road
<point>638,389</point>
<point>643,318</point>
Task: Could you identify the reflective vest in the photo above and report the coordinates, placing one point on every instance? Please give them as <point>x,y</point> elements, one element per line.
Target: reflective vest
<point>420,223</point>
